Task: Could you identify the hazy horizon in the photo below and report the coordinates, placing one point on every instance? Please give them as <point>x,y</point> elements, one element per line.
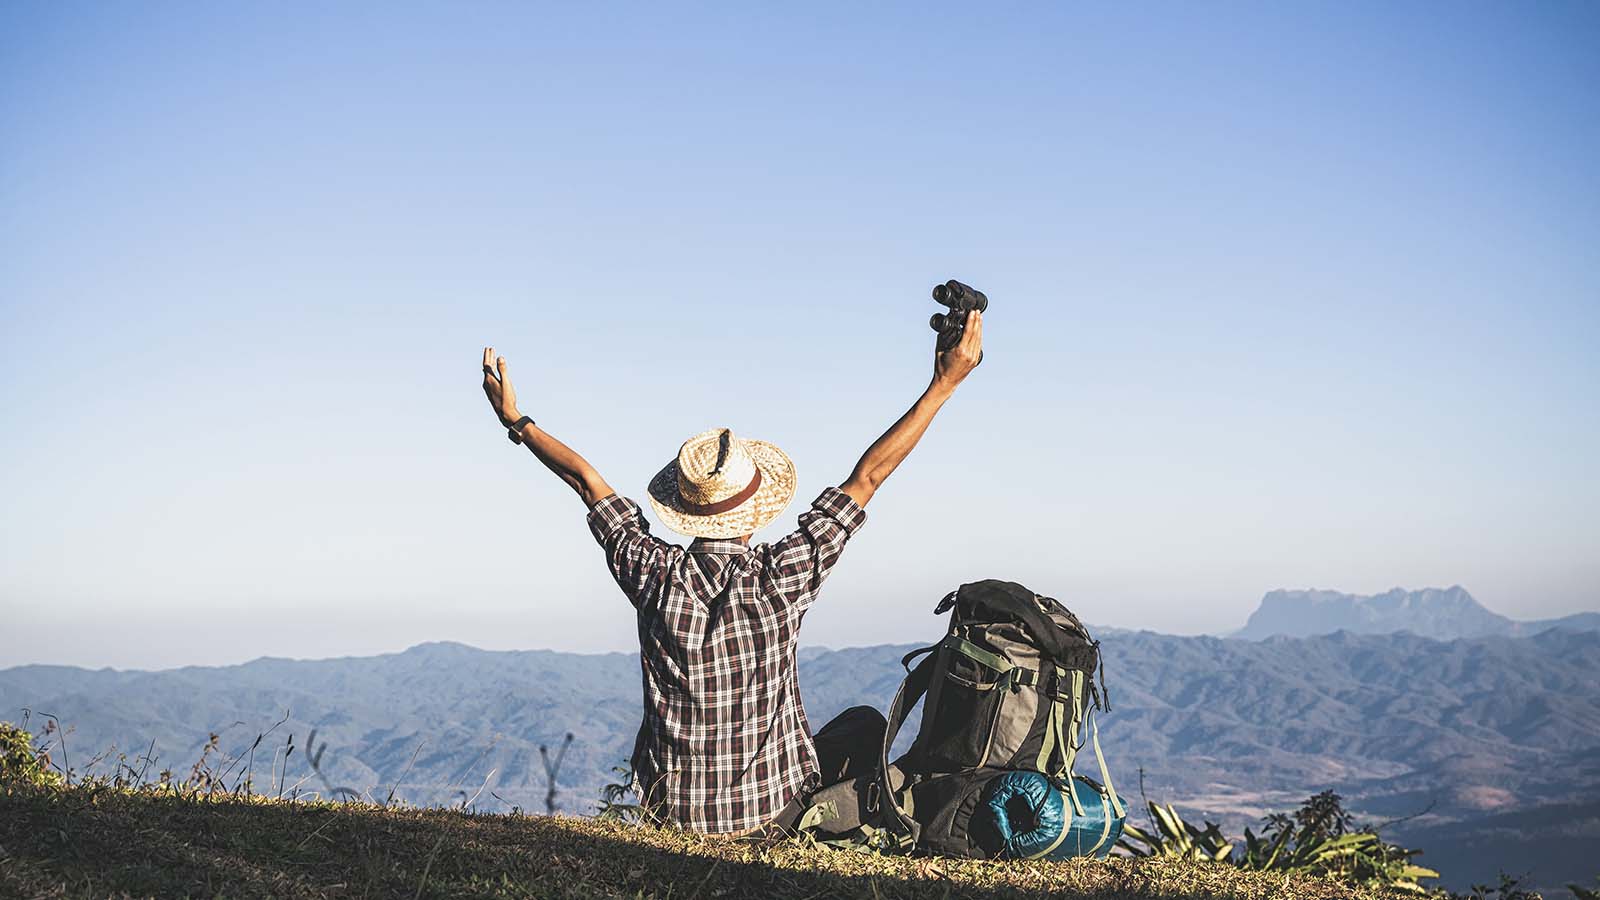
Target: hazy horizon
<point>922,637</point>
<point>1281,297</point>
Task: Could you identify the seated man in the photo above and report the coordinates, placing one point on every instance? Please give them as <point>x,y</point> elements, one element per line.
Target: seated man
<point>725,745</point>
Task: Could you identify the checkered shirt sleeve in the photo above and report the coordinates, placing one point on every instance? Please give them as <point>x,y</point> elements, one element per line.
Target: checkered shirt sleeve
<point>639,561</point>
<point>796,566</point>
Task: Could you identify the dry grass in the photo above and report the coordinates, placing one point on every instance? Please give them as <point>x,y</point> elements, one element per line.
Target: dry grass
<point>87,842</point>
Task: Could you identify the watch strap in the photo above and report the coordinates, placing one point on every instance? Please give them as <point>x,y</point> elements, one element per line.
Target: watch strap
<point>514,433</point>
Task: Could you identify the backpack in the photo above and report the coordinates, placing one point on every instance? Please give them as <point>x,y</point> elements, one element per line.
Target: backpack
<point>990,773</point>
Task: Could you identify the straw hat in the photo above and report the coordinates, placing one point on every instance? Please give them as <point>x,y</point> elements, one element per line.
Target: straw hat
<point>722,486</point>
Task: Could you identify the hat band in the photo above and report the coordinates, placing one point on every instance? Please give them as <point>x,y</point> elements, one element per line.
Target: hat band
<point>722,506</point>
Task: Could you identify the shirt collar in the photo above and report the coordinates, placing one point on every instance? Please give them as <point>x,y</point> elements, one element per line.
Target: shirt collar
<point>721,546</point>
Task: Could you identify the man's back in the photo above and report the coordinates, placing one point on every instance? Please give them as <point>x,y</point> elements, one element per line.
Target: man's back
<point>724,743</point>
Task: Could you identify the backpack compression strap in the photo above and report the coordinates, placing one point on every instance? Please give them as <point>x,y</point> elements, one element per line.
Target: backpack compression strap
<point>1058,750</point>
<point>1105,773</point>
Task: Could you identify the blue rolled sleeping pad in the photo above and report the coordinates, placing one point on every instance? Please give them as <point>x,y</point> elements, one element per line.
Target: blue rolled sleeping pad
<point>1031,818</point>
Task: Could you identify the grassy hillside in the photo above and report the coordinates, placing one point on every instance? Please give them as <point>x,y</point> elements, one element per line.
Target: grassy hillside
<point>83,842</point>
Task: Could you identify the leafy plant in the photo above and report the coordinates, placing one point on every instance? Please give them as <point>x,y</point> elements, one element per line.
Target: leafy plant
<point>613,799</point>
<point>22,762</point>
<point>1583,893</point>
<point>1319,839</point>
<point>1176,838</point>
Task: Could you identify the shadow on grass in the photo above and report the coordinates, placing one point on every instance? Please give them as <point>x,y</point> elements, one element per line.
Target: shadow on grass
<point>82,843</point>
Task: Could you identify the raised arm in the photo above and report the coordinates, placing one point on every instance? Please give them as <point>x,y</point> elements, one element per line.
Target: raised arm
<point>557,457</point>
<point>888,451</point>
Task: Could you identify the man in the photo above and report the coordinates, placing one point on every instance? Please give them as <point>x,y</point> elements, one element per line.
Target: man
<point>724,745</point>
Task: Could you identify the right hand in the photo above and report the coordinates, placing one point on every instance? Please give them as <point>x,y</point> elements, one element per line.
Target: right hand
<point>497,386</point>
<point>955,364</point>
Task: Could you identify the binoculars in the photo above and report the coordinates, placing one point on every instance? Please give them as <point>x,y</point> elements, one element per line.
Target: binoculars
<point>959,299</point>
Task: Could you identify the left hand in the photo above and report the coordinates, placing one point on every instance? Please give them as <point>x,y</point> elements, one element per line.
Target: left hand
<point>497,385</point>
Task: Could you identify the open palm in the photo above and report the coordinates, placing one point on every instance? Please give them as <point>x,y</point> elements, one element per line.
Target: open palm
<point>497,386</point>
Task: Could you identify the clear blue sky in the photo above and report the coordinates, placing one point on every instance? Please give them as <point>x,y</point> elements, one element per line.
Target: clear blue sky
<point>1284,295</point>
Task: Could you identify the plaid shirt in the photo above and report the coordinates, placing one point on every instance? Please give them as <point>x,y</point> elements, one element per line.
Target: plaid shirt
<point>724,743</point>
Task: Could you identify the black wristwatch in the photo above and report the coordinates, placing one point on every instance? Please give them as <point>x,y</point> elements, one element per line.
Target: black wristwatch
<point>514,433</point>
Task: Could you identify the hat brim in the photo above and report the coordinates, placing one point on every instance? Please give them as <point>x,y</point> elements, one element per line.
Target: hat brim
<point>767,503</point>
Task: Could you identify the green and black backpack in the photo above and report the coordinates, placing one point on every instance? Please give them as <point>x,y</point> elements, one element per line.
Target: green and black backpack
<point>1010,695</point>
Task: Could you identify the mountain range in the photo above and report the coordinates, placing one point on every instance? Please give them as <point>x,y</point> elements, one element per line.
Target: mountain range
<point>1444,613</point>
<point>1494,740</point>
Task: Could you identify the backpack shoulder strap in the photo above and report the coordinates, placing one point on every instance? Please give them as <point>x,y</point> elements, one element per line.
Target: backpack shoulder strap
<point>881,792</point>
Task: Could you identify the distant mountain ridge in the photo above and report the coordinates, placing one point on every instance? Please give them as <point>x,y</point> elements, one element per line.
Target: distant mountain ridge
<point>1439,613</point>
<point>1227,729</point>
